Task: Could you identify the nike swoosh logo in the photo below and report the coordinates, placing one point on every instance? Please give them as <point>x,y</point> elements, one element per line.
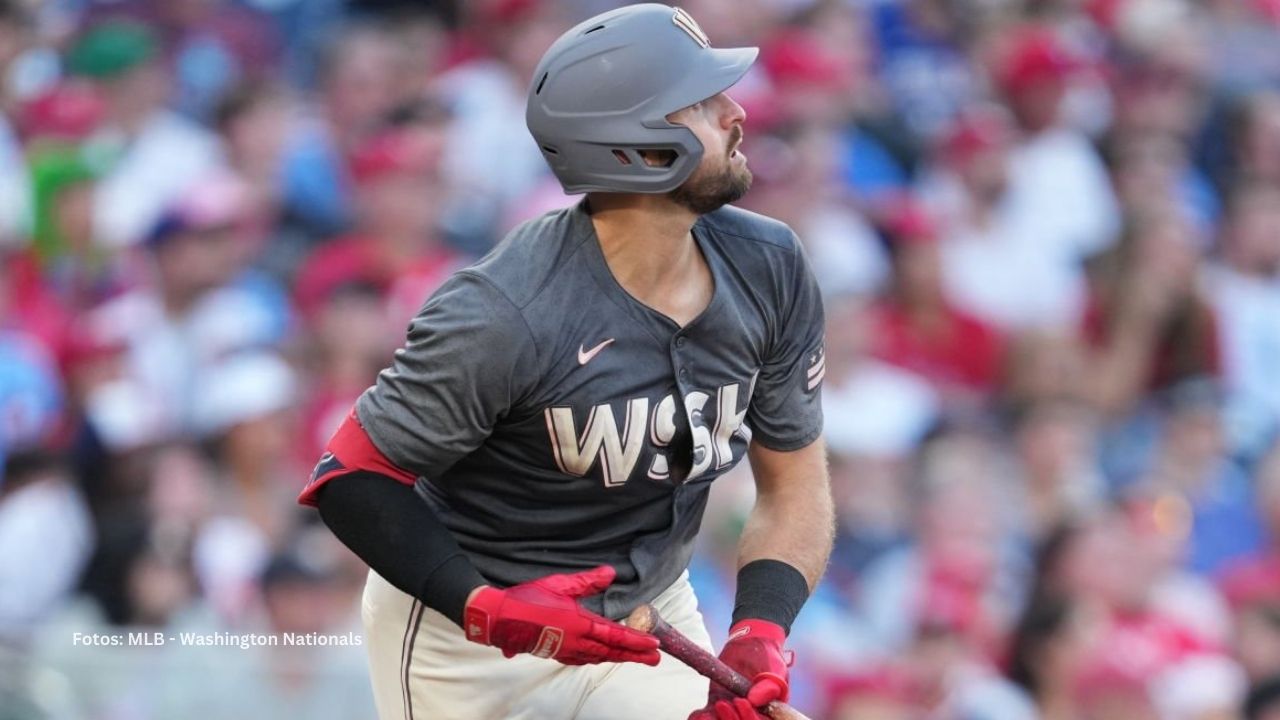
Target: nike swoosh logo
<point>584,356</point>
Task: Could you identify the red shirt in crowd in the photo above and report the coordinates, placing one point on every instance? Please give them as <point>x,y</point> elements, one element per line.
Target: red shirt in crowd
<point>355,259</point>
<point>959,350</point>
<point>1187,349</point>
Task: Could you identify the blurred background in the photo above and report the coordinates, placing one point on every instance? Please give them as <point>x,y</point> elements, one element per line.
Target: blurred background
<point>1049,236</point>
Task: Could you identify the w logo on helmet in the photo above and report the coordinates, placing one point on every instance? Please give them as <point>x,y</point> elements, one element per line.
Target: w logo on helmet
<point>686,23</point>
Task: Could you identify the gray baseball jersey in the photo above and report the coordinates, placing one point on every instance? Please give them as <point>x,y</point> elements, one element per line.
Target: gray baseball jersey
<point>555,423</point>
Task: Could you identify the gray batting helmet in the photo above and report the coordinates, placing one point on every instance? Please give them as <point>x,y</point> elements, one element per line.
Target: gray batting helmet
<point>603,90</point>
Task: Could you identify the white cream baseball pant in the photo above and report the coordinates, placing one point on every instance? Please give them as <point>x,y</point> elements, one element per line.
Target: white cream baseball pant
<point>423,668</point>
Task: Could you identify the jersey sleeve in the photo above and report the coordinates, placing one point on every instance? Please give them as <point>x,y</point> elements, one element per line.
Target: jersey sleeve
<point>786,406</point>
<point>465,360</point>
<point>467,355</point>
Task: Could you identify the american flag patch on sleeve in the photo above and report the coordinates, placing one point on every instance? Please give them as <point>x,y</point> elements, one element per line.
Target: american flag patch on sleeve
<point>817,367</point>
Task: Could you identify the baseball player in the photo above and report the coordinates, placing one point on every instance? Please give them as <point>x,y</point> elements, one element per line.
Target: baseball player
<point>536,461</point>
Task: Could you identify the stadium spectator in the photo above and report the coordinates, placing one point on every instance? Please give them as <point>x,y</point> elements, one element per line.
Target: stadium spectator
<point>356,76</point>
<point>344,354</point>
<point>304,592</point>
<point>917,327</point>
<point>1044,366</point>
<point>1245,294</point>
<point>822,71</point>
<point>1257,138</point>
<point>1152,168</point>
<point>1148,324</point>
<point>16,39</point>
<point>958,569</point>
<point>210,46</point>
<point>247,407</point>
<point>876,409</point>
<point>1252,585</point>
<point>490,158</point>
<point>1054,451</point>
<point>880,694</point>
<point>254,120</point>
<point>811,82</point>
<point>1050,644</point>
<point>397,245</point>
<point>160,152</point>
<point>1057,183</point>
<point>799,182</point>
<point>1192,464</point>
<point>924,61</point>
<point>1240,39</point>
<point>47,534</point>
<point>193,317</point>
<point>970,190</point>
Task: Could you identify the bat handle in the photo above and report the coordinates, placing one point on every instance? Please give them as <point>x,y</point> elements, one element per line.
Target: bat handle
<point>646,619</point>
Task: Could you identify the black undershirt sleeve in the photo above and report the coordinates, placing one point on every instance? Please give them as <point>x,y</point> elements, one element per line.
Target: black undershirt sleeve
<point>387,525</point>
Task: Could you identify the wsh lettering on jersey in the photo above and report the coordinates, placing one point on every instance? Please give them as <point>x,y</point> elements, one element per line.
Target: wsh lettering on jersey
<point>646,433</point>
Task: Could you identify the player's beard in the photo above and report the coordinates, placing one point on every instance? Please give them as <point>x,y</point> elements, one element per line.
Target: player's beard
<point>709,189</point>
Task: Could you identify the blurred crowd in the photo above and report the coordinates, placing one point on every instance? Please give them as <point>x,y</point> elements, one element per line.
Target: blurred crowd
<point>1049,236</point>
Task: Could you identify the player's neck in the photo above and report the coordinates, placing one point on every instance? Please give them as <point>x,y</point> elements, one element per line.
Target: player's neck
<point>646,239</point>
<point>649,247</point>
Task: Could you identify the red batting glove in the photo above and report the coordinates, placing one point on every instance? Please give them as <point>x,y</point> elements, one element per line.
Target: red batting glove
<point>755,650</point>
<point>543,618</point>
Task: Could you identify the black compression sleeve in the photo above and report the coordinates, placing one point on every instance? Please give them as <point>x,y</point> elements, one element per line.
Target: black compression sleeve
<point>388,526</point>
<point>770,590</point>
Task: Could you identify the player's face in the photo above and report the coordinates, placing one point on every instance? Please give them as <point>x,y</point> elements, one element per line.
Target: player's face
<point>722,177</point>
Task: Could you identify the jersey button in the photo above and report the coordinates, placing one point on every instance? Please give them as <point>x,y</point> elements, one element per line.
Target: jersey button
<point>679,342</point>
<point>684,372</point>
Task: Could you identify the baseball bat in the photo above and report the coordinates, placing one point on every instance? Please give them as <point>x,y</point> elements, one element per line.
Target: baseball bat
<point>646,619</point>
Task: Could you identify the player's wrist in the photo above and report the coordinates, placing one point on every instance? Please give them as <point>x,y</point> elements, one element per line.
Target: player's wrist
<point>772,591</point>
<point>450,587</point>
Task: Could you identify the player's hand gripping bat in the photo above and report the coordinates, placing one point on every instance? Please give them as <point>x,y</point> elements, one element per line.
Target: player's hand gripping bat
<point>646,619</point>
